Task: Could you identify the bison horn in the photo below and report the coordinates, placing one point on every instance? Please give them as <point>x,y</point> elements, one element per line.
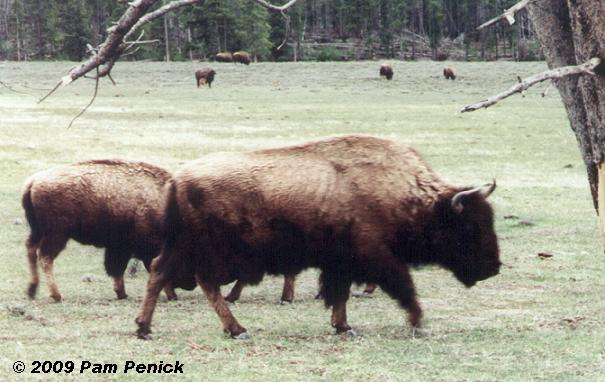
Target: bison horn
<point>484,191</point>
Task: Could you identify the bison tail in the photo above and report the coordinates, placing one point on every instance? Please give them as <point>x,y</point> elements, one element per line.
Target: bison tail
<point>30,213</point>
<point>172,217</point>
<point>176,267</point>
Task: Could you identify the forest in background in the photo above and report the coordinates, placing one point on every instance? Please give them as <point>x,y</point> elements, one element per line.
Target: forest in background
<point>318,30</point>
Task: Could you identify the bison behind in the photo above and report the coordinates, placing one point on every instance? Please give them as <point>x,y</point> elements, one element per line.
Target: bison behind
<point>361,209</point>
<point>113,204</point>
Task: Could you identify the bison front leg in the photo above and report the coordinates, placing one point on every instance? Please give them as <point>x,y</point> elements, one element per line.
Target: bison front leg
<point>215,299</point>
<point>397,282</point>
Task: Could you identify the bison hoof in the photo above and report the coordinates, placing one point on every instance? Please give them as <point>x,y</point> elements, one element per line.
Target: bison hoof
<point>121,296</point>
<point>143,336</point>
<point>285,302</point>
<point>347,332</point>
<point>31,290</point>
<point>230,300</point>
<point>241,336</point>
<point>144,331</point>
<point>418,332</point>
<point>56,297</point>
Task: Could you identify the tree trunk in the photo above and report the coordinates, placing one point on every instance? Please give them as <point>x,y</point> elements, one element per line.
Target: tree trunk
<point>570,33</point>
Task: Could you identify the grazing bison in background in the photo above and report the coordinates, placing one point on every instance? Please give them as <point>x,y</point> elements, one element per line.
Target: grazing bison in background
<point>441,56</point>
<point>242,57</point>
<point>113,204</point>
<point>223,57</point>
<point>386,70</point>
<point>359,208</point>
<point>204,76</point>
<point>449,72</point>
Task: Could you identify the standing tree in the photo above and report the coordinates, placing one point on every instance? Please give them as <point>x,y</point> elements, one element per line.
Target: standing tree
<point>572,36</point>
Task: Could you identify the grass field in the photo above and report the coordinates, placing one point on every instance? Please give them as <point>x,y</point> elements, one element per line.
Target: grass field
<point>540,319</point>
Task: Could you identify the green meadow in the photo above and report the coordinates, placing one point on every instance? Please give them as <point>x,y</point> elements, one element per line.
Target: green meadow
<point>539,319</point>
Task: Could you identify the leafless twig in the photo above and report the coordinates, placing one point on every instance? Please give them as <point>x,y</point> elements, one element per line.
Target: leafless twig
<point>15,91</point>
<point>287,18</point>
<point>94,95</point>
<point>585,68</point>
<point>509,15</point>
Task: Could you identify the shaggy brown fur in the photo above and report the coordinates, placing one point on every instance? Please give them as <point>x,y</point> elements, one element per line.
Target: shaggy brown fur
<point>224,57</point>
<point>113,204</point>
<point>449,73</point>
<point>441,56</point>
<point>242,57</point>
<point>361,209</point>
<point>386,70</point>
<point>204,76</point>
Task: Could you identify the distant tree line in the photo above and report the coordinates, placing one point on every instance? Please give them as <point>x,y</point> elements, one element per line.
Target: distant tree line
<point>318,30</point>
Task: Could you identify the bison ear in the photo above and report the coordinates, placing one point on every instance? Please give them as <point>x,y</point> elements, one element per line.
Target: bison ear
<point>484,191</point>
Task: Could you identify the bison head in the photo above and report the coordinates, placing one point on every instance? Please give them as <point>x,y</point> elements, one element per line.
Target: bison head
<point>464,240</point>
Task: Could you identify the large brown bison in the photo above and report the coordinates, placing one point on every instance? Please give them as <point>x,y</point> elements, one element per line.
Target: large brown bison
<point>204,76</point>
<point>113,204</point>
<point>449,72</point>
<point>224,57</point>
<point>386,70</point>
<point>359,208</point>
<point>242,57</point>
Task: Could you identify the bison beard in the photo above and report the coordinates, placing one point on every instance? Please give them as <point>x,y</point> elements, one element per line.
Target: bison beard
<point>361,209</point>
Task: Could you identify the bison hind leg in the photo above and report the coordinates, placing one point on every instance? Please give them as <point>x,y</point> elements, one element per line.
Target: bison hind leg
<point>32,257</point>
<point>335,289</point>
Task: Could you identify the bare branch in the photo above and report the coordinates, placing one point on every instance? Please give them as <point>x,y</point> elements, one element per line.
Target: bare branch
<point>15,91</point>
<point>113,47</point>
<point>276,8</point>
<point>554,74</point>
<point>50,92</point>
<point>509,15</point>
<point>287,29</point>
<point>94,96</point>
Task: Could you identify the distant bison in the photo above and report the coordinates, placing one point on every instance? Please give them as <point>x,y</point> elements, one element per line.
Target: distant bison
<point>242,57</point>
<point>204,76</point>
<point>106,203</point>
<point>441,56</point>
<point>359,208</point>
<point>386,70</point>
<point>449,72</point>
<point>223,57</point>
